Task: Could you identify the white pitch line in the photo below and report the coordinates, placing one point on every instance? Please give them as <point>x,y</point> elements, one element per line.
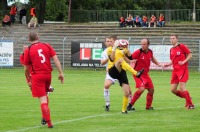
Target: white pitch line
<point>83,118</point>
<point>64,121</point>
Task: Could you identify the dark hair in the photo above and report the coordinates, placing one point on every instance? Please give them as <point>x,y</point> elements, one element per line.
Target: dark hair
<point>33,36</point>
<point>113,37</point>
<point>174,35</point>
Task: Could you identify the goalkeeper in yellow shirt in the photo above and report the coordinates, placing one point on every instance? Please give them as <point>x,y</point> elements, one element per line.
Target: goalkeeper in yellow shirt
<point>117,67</point>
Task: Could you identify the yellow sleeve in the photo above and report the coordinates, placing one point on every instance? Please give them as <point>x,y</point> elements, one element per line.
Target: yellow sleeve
<point>109,50</point>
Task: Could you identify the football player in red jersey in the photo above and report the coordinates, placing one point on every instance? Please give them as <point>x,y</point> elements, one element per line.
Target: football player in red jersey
<point>179,56</point>
<point>143,57</point>
<point>28,80</point>
<point>37,56</point>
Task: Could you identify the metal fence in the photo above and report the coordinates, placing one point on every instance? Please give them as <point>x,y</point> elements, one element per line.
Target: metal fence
<point>114,15</point>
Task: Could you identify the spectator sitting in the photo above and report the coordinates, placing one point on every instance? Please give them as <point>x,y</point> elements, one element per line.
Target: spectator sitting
<point>137,21</point>
<point>6,21</point>
<point>13,12</point>
<point>161,21</point>
<point>144,21</point>
<point>33,22</point>
<point>122,22</point>
<point>152,22</point>
<point>23,15</point>
<point>129,21</point>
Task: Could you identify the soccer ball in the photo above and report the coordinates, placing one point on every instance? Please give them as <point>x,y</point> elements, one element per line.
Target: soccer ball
<point>123,43</point>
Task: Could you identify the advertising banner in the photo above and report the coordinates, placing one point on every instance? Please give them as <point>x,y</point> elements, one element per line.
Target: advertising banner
<point>86,54</point>
<point>6,53</point>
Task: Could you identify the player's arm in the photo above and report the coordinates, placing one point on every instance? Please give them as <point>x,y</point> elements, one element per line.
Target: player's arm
<point>156,62</point>
<point>188,57</point>
<point>27,72</point>
<point>168,64</point>
<point>104,58</point>
<point>59,68</point>
<point>103,62</point>
<point>112,55</point>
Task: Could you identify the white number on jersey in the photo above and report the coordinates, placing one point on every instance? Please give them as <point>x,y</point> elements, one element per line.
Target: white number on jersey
<point>41,55</point>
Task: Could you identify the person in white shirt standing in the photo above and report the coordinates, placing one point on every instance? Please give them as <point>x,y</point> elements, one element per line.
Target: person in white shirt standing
<point>109,41</point>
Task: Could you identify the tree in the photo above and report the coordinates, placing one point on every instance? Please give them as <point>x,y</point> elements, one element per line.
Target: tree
<point>56,10</point>
<point>42,8</point>
<point>3,4</point>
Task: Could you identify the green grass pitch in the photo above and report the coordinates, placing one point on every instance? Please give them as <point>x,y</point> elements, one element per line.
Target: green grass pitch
<point>77,105</point>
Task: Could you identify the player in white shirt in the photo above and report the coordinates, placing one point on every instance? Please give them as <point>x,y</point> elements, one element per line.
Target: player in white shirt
<point>109,41</point>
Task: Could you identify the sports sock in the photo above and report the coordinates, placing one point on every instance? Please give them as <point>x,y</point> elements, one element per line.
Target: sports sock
<point>180,94</point>
<point>187,98</point>
<point>126,66</point>
<point>124,103</point>
<point>135,97</point>
<point>46,113</point>
<point>130,97</point>
<point>149,100</point>
<point>107,96</point>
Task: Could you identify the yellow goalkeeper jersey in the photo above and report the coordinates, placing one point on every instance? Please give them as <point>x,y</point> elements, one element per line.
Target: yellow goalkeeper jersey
<point>119,54</point>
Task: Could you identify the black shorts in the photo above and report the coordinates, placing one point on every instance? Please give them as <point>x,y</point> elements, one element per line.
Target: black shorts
<point>121,76</point>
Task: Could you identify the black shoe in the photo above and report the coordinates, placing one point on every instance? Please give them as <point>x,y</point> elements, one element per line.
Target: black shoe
<point>133,109</point>
<point>150,108</point>
<point>107,107</point>
<point>43,122</point>
<point>124,112</point>
<point>129,107</point>
<point>50,126</point>
<point>139,73</point>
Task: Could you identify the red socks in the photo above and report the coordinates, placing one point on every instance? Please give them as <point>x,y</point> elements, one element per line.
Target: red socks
<point>180,94</point>
<point>136,95</point>
<point>149,100</point>
<point>46,113</point>
<point>188,98</point>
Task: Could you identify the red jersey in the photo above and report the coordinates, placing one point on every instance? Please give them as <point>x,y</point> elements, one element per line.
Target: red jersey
<point>38,56</point>
<point>143,60</point>
<point>21,58</point>
<point>177,54</point>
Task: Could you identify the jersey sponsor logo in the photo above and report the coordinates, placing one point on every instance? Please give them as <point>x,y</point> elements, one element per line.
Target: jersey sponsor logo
<point>178,53</point>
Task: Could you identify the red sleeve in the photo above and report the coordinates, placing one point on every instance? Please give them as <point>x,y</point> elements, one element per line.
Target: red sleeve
<point>135,54</point>
<point>185,49</point>
<point>21,58</point>
<point>53,52</point>
<point>26,57</point>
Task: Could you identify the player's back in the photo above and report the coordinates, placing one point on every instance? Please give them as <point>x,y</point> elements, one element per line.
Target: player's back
<point>39,57</point>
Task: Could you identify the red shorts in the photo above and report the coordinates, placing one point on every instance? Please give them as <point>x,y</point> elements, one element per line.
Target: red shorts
<point>179,76</point>
<point>144,81</point>
<point>40,84</point>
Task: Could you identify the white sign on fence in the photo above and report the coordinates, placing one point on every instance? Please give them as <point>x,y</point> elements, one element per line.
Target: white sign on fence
<point>6,53</point>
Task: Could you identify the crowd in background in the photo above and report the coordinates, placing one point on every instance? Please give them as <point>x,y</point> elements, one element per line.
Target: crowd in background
<point>10,19</point>
<point>143,21</point>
